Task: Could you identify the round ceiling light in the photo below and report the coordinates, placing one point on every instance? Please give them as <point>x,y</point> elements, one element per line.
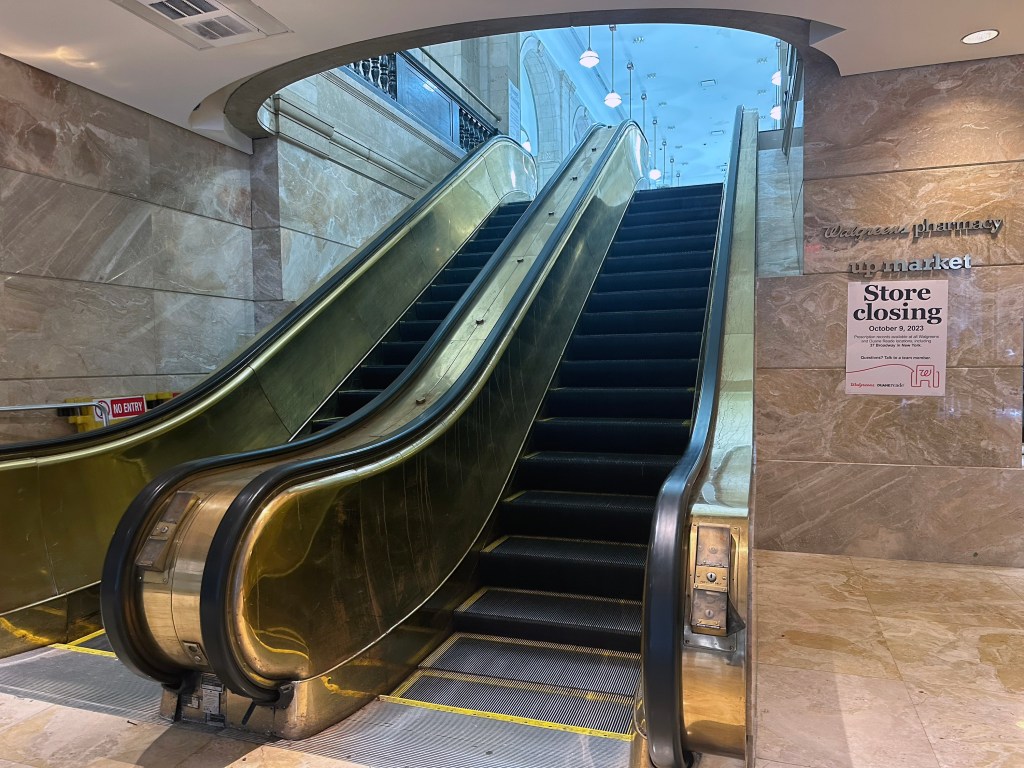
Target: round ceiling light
<point>981,36</point>
<point>612,99</point>
<point>654,175</point>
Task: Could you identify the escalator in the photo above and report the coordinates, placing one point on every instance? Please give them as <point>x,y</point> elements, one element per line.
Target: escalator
<point>554,632</point>
<point>408,336</point>
<point>64,497</point>
<point>478,542</point>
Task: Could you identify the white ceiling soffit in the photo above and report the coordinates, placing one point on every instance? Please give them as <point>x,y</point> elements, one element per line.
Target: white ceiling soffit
<point>105,48</point>
<point>207,23</point>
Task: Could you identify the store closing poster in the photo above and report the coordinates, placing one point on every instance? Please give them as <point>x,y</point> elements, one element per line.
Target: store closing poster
<point>896,337</point>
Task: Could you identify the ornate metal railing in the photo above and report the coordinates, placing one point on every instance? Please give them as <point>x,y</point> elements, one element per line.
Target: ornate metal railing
<point>416,88</point>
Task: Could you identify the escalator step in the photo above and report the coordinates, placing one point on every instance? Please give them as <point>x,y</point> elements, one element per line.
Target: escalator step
<point>458,275</point>
<point>564,666</point>
<point>680,193</point>
<point>475,261</point>
<point>657,262</point>
<point>379,376</point>
<point>627,373</point>
<point>602,515</point>
<point>621,473</point>
<point>345,402</point>
<point>445,292</point>
<point>640,215</point>
<point>417,330</point>
<point>601,568</point>
<point>648,247</point>
<point>601,712</point>
<point>623,300</point>
<point>631,346</point>
<point>639,281</point>
<point>548,617</point>
<point>397,352</point>
<point>434,310</point>
<point>668,436</point>
<point>641,321</point>
<point>621,402</point>
<point>668,229</point>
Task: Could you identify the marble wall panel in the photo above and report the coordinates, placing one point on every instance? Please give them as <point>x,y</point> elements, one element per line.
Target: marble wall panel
<point>329,201</point>
<point>777,241</point>
<point>195,254</point>
<point>196,334</point>
<point>801,321</point>
<point>944,514</point>
<point>306,261</point>
<point>925,117</point>
<point>804,415</point>
<point>948,194</point>
<point>38,425</point>
<point>266,264</point>
<point>63,328</point>
<point>265,182</point>
<point>51,127</point>
<point>373,121</point>
<point>55,229</point>
<point>195,174</point>
<point>269,312</point>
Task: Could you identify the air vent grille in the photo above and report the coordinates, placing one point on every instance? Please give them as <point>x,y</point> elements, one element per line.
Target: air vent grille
<point>208,23</point>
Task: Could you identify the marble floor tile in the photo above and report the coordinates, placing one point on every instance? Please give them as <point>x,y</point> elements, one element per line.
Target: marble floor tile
<point>811,718</point>
<point>939,653</point>
<point>717,761</point>
<point>971,731</point>
<point>899,589</point>
<point>1014,581</point>
<point>14,709</point>
<point>848,643</point>
<point>768,558</point>
<point>273,757</point>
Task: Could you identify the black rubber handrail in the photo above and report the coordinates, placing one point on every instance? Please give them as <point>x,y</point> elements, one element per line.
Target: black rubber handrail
<point>117,584</point>
<point>218,378</point>
<point>663,609</point>
<point>215,591</point>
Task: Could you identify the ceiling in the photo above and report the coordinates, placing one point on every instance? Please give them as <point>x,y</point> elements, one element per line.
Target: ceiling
<point>694,77</point>
<point>100,45</point>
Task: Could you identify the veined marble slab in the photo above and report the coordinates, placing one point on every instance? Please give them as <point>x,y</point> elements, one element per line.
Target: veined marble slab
<point>196,334</point>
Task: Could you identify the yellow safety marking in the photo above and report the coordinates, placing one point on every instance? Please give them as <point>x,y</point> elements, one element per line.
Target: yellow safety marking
<point>508,718</point>
<point>87,638</point>
<point>23,634</point>
<point>81,649</point>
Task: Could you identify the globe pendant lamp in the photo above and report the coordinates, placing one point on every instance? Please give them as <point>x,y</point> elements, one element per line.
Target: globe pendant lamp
<point>613,99</point>
<point>654,174</point>
<point>589,57</point>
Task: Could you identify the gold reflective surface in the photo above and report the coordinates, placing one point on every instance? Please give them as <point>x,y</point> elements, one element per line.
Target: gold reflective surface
<point>60,507</point>
<point>343,581</point>
<point>717,705</point>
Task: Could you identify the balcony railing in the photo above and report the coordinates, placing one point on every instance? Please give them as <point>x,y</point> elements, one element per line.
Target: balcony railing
<point>413,86</point>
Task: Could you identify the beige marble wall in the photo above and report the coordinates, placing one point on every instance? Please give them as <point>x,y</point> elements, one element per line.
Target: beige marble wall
<point>125,250</point>
<point>924,478</point>
<point>344,162</point>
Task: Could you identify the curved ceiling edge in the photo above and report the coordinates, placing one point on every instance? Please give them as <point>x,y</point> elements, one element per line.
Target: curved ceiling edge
<point>243,104</point>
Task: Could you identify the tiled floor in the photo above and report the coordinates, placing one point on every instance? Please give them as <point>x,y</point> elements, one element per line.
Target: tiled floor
<point>862,664</point>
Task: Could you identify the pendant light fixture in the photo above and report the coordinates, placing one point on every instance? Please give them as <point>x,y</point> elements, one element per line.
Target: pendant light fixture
<point>655,174</point>
<point>589,57</point>
<point>613,99</point>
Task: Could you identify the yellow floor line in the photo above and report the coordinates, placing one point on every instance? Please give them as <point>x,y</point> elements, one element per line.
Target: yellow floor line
<point>87,638</point>
<point>79,649</point>
<point>508,718</point>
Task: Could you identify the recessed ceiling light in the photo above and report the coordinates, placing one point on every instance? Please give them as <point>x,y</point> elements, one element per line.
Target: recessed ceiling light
<point>662,103</point>
<point>638,40</point>
<point>762,91</point>
<point>651,75</point>
<point>718,133</point>
<point>981,36</point>
<point>671,127</point>
<point>708,83</point>
<point>762,60</point>
<point>679,146</point>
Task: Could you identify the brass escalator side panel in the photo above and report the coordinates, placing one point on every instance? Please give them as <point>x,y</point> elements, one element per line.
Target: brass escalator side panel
<point>717,679</point>
<point>344,581</point>
<point>60,509</point>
